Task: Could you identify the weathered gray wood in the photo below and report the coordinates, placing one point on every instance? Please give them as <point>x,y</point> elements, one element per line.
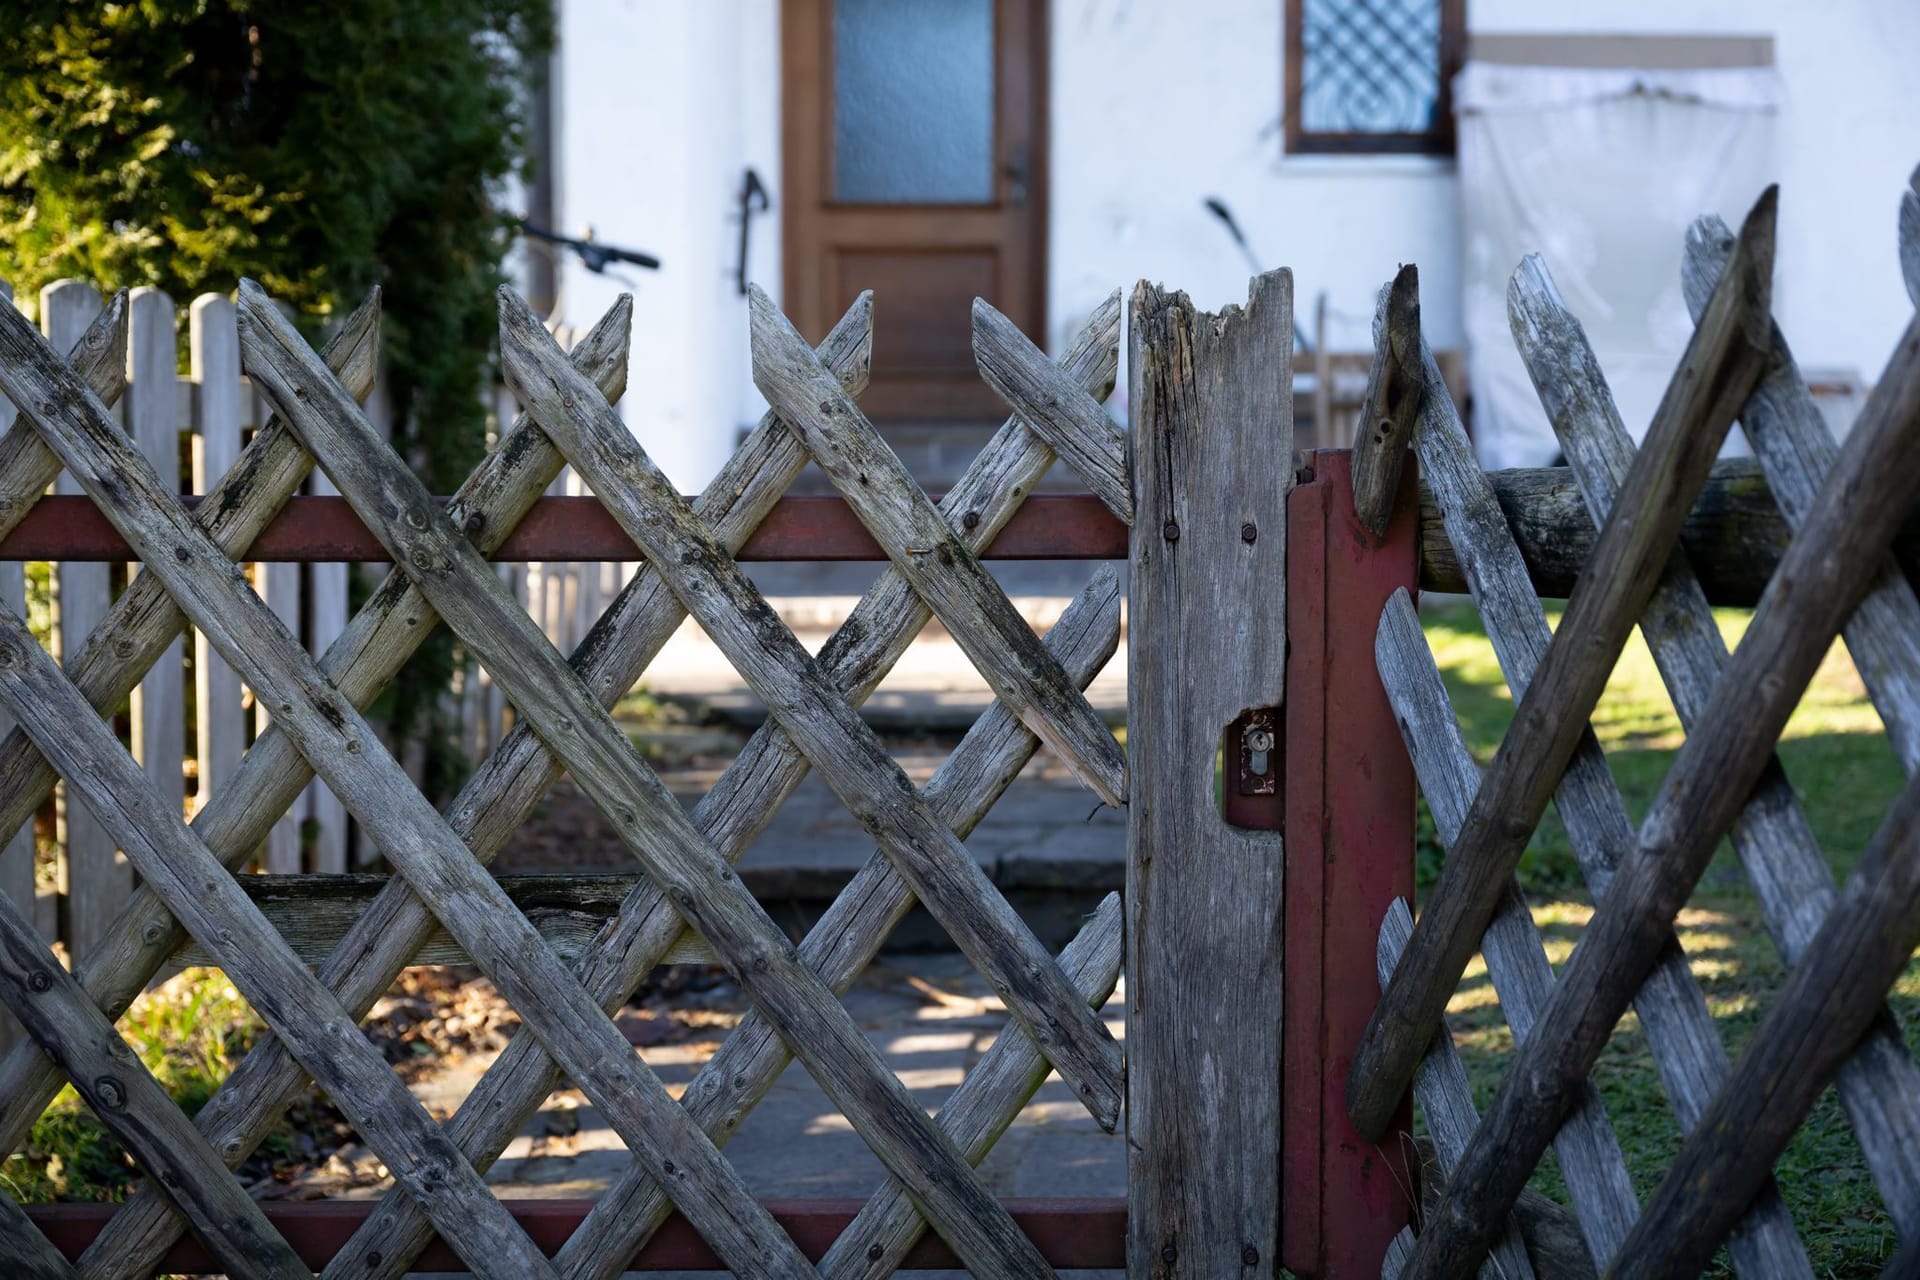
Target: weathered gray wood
<point>1773,838</point>
<point>24,1251</point>
<point>138,628</point>
<point>214,365</point>
<point>1059,412</point>
<point>1395,384</point>
<point>100,356</point>
<point>1680,1030</point>
<point>94,879</point>
<point>133,1105</point>
<point>278,583</point>
<point>1823,574</point>
<point>842,942</point>
<point>1910,237</point>
<point>1445,1094</point>
<point>877,1241</point>
<point>1723,361</point>
<point>159,706</point>
<point>1834,995</point>
<point>843,748</point>
<point>1588,1152</point>
<point>204,897</point>
<point>330,732</point>
<point>313,913</point>
<point>1733,536</point>
<point>506,787</point>
<point>468,595</point>
<point>1795,449</point>
<point>1213,442</point>
<point>737,809</point>
<point>961,593</point>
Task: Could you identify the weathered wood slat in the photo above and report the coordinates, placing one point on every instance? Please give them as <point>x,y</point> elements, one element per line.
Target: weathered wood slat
<point>510,783</point>
<point>961,593</point>
<point>1588,1152</point>
<point>1795,450</point>
<point>100,357</point>
<point>1825,570</point>
<point>124,1095</point>
<point>979,1111</point>
<point>1680,1030</point>
<point>1724,359</point>
<point>467,594</point>
<point>1047,400</point>
<point>842,747</point>
<point>1834,995</point>
<point>1213,445</point>
<point>204,897</point>
<point>334,737</point>
<point>1445,1096</point>
<point>314,912</point>
<point>1395,384</point>
<point>736,810</point>
<point>845,939</point>
<point>1773,838</point>
<point>94,879</point>
<point>214,364</point>
<point>142,622</point>
<point>25,1250</point>
<point>158,707</point>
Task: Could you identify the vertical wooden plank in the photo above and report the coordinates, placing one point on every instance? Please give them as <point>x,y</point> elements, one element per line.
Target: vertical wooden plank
<point>280,588</point>
<point>1213,423</point>
<point>153,373</point>
<point>221,409</point>
<point>95,878</point>
<point>1349,854</point>
<point>326,619</point>
<point>16,847</point>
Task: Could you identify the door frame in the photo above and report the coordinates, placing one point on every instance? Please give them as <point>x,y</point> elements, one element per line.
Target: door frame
<point>806,157</point>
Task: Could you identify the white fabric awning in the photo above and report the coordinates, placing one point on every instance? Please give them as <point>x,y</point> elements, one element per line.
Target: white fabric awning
<point>1599,171</point>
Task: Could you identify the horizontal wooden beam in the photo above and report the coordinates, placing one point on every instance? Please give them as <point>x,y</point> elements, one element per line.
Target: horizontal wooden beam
<point>1734,535</point>
<point>1071,1233</point>
<point>313,912</point>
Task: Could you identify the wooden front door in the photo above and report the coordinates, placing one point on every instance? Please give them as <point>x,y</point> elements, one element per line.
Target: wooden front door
<point>914,137</point>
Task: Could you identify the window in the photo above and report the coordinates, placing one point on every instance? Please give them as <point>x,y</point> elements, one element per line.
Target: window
<point>1372,75</point>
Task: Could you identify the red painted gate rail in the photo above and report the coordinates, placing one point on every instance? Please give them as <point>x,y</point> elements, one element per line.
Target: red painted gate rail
<point>1347,814</point>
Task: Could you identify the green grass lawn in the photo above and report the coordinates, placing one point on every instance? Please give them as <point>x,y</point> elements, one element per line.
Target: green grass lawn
<point>1838,758</point>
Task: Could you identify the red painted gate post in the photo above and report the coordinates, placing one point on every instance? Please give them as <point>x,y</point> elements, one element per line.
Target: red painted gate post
<point>1349,832</point>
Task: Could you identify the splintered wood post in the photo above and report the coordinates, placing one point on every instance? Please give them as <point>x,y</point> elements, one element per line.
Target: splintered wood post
<point>1727,355</point>
<point>1395,384</point>
<point>94,879</point>
<point>1213,443</point>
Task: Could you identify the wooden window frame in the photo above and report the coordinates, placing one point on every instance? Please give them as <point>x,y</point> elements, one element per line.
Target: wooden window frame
<point>1436,141</point>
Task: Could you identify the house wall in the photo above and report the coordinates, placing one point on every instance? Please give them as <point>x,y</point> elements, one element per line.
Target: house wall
<point>1154,107</point>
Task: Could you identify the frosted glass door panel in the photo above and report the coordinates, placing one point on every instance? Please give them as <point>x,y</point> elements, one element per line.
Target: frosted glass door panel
<point>913,102</point>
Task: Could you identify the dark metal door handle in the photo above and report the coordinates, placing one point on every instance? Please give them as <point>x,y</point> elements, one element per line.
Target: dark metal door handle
<point>753,199</point>
<point>1015,172</point>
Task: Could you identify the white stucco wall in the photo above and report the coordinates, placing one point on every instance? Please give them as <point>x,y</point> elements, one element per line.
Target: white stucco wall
<point>1155,106</point>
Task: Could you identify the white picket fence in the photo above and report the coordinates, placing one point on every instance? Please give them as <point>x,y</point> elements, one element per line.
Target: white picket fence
<point>215,409</point>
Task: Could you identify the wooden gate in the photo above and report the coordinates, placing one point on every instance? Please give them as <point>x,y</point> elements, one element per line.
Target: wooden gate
<point>1281,702</point>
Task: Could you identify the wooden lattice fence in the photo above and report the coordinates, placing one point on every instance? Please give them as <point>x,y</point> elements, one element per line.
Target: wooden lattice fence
<point>314,727</point>
<point>1262,889</point>
<point>1844,946</point>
